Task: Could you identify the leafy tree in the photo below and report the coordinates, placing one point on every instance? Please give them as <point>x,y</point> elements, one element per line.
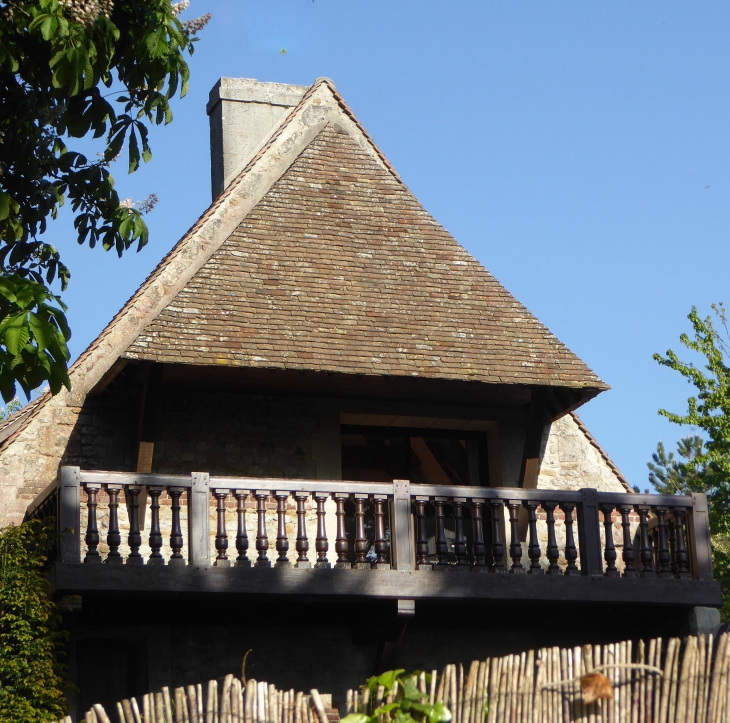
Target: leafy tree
<point>70,69</point>
<point>13,406</point>
<point>31,676</point>
<point>670,476</point>
<point>707,468</point>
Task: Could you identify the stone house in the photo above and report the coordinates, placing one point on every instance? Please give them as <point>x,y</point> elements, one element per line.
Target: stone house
<point>318,371</point>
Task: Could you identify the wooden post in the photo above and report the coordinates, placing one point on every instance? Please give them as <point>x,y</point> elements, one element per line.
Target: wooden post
<point>401,530</point>
<point>198,520</point>
<point>69,514</point>
<point>589,537</point>
<point>698,533</point>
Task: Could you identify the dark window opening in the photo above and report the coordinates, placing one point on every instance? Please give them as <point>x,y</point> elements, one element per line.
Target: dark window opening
<point>425,456</point>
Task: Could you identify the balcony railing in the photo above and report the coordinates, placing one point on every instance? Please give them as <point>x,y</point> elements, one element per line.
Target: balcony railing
<point>599,545</point>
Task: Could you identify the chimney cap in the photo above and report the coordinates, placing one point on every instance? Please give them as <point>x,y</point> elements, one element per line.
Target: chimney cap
<point>250,90</point>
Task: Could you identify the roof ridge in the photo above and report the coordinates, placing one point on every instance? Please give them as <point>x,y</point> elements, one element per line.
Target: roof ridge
<point>604,455</point>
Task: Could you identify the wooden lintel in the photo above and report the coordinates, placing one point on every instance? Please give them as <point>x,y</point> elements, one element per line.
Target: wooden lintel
<point>110,376</point>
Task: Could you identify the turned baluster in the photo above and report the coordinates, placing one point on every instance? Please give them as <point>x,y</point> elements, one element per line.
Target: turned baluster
<point>422,562</point>
<point>361,541</point>
<point>113,538</point>
<point>302,544</point>
<point>462,564</point>
<point>682,556</point>
<point>342,547</point>
<point>321,544</point>
<point>241,533</point>
<point>442,548</point>
<point>155,537</point>
<point>646,554</point>
<point>628,555</point>
<point>262,539</point>
<point>480,548</point>
<point>92,531</point>
<point>134,538</point>
<point>663,558</point>
<point>515,547</point>
<point>571,552</point>
<point>533,548</point>
<point>672,528</point>
<point>497,507</point>
<point>282,541</point>
<point>380,544</point>
<point>609,549</point>
<point>552,551</point>
<point>221,535</point>
<point>176,537</point>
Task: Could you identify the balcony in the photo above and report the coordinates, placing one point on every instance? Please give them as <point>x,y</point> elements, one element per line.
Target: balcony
<point>126,533</point>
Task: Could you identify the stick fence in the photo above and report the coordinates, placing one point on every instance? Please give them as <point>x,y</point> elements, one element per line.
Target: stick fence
<point>659,681</point>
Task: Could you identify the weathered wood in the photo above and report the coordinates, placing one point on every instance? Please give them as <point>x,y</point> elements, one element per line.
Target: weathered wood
<point>571,553</point>
<point>221,535</point>
<point>589,538</point>
<point>69,514</point>
<point>462,564</point>
<point>134,538</point>
<point>155,536</point>
<point>422,561</point>
<point>609,549</point>
<point>92,531</point>
<point>241,531</point>
<point>401,546</point>
<point>698,528</point>
<point>442,548</point>
<point>113,536</point>
<point>681,556</point>
<point>198,520</point>
<point>497,546</point>
<point>262,538</point>
<point>321,543</point>
<point>302,543</point>
<point>479,546</point>
<point>361,542</point>
<point>551,550</point>
<point>533,549</point>
<point>663,556</point>
<point>515,548</point>
<point>282,540</point>
<point>390,584</point>
<point>176,536</point>
<point>341,544</point>
<point>646,554</point>
<point>380,544</point>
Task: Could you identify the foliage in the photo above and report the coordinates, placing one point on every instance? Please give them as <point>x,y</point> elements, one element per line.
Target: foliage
<point>13,406</point>
<point>707,469</point>
<point>671,476</point>
<point>56,59</point>
<point>409,704</point>
<point>30,675</point>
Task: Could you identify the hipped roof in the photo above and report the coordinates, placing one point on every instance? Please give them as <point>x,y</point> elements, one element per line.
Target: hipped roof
<point>338,268</point>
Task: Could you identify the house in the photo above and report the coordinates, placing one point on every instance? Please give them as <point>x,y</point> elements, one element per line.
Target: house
<point>322,431</point>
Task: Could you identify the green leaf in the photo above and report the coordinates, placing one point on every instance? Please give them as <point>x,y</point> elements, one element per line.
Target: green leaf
<point>439,714</point>
<point>133,152</point>
<point>16,334</point>
<point>355,718</point>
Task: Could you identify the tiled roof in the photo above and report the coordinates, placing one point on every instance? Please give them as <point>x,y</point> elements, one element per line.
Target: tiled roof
<point>339,268</point>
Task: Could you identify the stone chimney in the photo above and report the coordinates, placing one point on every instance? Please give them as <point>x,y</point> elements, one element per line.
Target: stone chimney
<point>242,113</point>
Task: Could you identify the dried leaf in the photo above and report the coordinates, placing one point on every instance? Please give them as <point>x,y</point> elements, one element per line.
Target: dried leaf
<point>595,686</point>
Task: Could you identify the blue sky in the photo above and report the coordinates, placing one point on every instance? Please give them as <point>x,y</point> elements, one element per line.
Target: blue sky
<point>580,151</point>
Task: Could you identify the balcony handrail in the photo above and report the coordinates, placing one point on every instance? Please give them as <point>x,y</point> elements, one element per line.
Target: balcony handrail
<point>395,504</point>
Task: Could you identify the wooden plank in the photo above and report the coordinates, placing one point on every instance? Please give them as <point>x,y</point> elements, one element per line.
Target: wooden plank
<point>69,515</point>
<point>384,584</point>
<point>698,527</point>
<point>534,430</point>
<point>401,531</point>
<point>199,520</point>
<point>591,562</point>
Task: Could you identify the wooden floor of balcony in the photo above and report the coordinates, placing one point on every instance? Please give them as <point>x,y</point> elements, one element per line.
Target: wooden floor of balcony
<point>346,585</point>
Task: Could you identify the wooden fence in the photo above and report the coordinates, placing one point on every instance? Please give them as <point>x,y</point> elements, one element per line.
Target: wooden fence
<point>659,681</point>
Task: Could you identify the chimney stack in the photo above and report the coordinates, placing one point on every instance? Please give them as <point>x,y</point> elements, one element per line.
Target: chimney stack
<point>242,113</point>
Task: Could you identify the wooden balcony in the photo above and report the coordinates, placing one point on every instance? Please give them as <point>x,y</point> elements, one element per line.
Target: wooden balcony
<point>124,533</point>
